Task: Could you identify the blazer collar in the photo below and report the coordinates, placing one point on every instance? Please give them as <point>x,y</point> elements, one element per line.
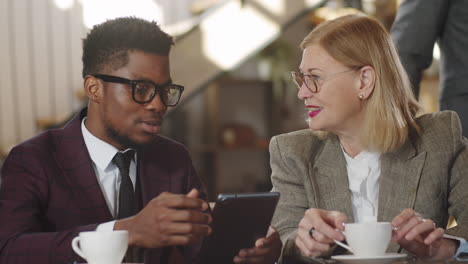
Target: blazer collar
<point>100,152</point>
<point>72,154</point>
<point>153,173</point>
<point>332,178</point>
<point>399,180</point>
<point>76,163</point>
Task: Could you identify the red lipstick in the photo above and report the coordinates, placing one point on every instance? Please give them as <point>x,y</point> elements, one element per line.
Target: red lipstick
<point>313,110</point>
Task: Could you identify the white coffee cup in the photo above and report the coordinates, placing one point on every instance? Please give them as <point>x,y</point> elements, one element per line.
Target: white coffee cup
<point>101,247</point>
<point>367,239</point>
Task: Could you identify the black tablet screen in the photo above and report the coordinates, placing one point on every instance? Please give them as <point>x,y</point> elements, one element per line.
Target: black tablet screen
<point>238,221</point>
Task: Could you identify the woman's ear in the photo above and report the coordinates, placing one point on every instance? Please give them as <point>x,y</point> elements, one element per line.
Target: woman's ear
<point>367,82</point>
<point>93,88</point>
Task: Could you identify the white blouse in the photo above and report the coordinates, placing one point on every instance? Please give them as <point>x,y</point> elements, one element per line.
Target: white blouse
<point>363,176</point>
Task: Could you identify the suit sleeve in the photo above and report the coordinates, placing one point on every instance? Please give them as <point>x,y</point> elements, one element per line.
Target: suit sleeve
<point>193,182</point>
<point>458,194</point>
<point>416,28</point>
<point>291,183</point>
<point>25,236</point>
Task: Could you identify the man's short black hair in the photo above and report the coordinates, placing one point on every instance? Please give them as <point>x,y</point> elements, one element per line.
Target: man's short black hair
<point>106,46</point>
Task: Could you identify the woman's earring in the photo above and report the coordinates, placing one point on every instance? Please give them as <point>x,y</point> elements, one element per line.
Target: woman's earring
<point>361,96</point>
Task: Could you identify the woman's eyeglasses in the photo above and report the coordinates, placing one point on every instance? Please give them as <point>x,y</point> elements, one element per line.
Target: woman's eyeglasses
<point>312,81</point>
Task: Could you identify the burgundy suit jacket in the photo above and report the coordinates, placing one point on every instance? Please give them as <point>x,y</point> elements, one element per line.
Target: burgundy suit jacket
<point>49,193</point>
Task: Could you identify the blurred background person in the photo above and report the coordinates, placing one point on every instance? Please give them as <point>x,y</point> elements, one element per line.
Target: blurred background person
<point>365,144</point>
<point>418,26</point>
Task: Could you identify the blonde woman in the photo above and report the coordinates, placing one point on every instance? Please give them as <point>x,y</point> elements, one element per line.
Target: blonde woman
<point>367,155</point>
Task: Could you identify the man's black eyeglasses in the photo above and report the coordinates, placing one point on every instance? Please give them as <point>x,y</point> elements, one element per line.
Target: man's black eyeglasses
<point>144,91</point>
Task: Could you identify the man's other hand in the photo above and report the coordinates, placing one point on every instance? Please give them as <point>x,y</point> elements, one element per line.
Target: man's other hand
<point>168,220</point>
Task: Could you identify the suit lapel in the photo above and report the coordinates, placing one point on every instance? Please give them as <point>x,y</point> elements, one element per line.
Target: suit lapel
<point>330,176</point>
<point>72,155</point>
<point>153,174</point>
<point>399,180</point>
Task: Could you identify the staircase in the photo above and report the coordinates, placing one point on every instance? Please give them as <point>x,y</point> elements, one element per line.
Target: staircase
<point>217,41</point>
<point>227,35</point>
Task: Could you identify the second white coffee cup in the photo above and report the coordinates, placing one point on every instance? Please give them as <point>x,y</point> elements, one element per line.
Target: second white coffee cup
<point>101,247</point>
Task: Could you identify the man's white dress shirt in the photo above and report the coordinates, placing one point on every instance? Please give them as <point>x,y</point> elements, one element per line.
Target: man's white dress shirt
<point>107,172</point>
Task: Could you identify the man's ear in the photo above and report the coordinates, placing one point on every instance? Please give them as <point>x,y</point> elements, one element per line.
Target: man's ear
<point>93,88</point>
<point>367,82</point>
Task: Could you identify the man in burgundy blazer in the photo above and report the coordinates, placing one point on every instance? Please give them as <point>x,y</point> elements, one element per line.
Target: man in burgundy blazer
<point>51,189</point>
<point>50,193</point>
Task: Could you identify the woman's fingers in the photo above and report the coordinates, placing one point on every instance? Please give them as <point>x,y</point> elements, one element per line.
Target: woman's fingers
<point>422,227</point>
<point>410,224</point>
<point>319,237</point>
<point>326,222</point>
<point>420,236</point>
<point>310,247</point>
<point>434,236</point>
<point>325,226</point>
<point>312,243</point>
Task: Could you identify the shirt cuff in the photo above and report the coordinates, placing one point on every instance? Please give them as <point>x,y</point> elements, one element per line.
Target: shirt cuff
<point>108,226</point>
<point>462,247</point>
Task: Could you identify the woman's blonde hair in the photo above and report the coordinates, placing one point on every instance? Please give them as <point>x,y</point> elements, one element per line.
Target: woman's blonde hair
<point>391,109</point>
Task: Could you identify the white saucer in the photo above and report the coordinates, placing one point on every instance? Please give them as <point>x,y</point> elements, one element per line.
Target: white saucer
<point>352,259</point>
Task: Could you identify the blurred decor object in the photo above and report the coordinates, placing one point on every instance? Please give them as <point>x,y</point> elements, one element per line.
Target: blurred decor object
<point>81,95</point>
<point>276,55</point>
<point>273,64</point>
<point>263,143</point>
<point>429,93</point>
<point>200,6</point>
<point>383,10</point>
<point>4,152</point>
<point>52,122</point>
<point>328,13</point>
<point>63,118</point>
<point>237,135</point>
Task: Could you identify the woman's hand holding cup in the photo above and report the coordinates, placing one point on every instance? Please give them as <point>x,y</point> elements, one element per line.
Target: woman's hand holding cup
<point>317,231</point>
<point>421,237</point>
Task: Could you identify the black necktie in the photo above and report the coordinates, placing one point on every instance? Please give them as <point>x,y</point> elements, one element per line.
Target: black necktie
<point>127,201</point>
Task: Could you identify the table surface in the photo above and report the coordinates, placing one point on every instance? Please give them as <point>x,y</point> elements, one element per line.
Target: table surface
<point>407,260</point>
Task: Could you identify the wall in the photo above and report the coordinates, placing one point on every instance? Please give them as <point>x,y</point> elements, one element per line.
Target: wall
<point>40,65</point>
<point>40,62</point>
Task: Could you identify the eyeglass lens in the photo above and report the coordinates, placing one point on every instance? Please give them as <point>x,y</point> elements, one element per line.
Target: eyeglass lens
<point>300,78</point>
<point>146,91</point>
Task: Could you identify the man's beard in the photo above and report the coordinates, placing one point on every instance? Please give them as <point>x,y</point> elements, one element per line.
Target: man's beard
<point>124,140</point>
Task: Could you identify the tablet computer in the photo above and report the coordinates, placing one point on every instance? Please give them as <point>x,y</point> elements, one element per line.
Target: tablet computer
<point>238,221</point>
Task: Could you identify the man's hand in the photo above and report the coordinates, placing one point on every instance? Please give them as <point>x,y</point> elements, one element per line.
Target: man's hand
<point>317,230</point>
<point>266,251</point>
<point>421,237</point>
<point>168,220</point>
